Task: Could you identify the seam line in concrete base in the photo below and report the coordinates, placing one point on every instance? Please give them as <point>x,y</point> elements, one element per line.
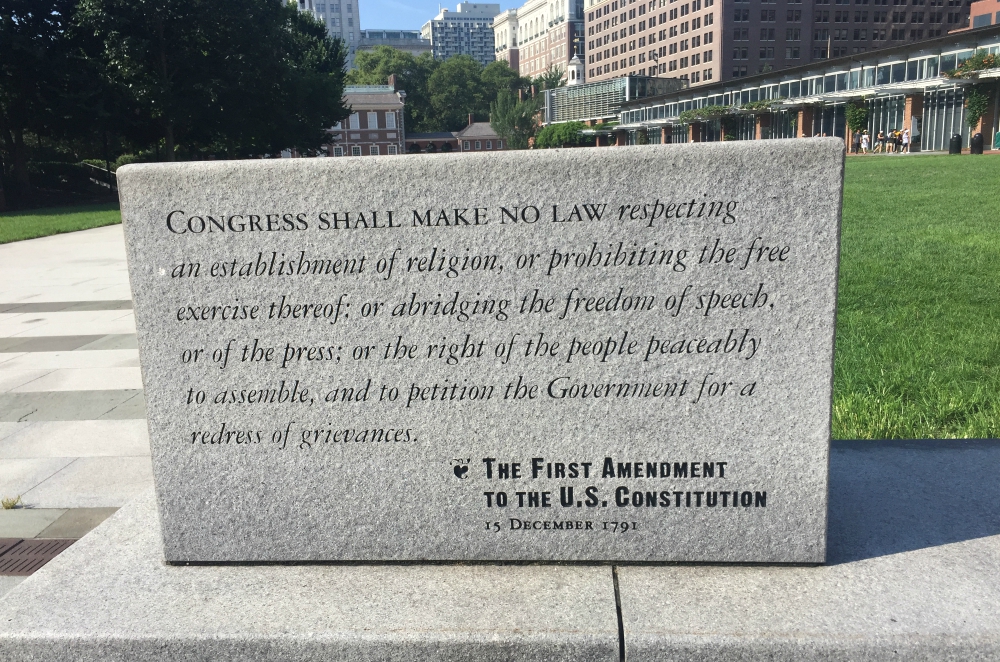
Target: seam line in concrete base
<point>618,610</point>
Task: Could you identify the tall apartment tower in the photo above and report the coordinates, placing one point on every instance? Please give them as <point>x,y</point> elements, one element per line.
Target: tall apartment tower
<point>539,35</point>
<point>466,31</point>
<point>342,21</point>
<point>708,40</point>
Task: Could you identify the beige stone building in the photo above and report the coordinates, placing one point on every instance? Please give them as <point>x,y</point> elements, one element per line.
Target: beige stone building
<point>540,35</point>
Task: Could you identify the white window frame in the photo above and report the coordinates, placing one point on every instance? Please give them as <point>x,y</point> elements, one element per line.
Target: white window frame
<point>390,120</point>
<point>356,150</point>
<point>373,150</point>
<point>499,144</point>
<point>355,122</point>
<point>393,151</point>
<point>338,151</point>
<point>489,144</point>
<point>372,120</point>
<point>479,145</point>
<point>465,145</point>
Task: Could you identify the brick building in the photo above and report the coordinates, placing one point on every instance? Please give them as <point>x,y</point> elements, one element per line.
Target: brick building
<point>375,126</point>
<point>704,41</point>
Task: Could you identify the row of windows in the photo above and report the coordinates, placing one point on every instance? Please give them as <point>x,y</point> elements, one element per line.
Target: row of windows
<point>354,121</point>
<point>690,61</point>
<point>373,150</point>
<point>795,16</point>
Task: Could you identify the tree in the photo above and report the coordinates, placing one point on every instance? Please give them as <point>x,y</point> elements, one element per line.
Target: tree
<point>549,79</point>
<point>977,102</point>
<point>243,77</point>
<point>498,77</point>
<point>456,91</point>
<point>566,134</point>
<point>39,77</point>
<point>856,116</point>
<point>374,68</point>
<point>513,119</point>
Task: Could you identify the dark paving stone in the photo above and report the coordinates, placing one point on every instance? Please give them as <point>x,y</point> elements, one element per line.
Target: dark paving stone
<point>76,522</point>
<point>63,306</point>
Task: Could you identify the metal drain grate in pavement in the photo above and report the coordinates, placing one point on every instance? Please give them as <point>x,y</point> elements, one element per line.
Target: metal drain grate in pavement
<point>24,557</point>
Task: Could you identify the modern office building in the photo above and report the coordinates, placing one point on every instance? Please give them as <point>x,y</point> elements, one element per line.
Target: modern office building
<point>466,31</point>
<point>409,41</point>
<point>596,103</point>
<point>375,127</point>
<point>705,41</point>
<point>342,21</point>
<point>983,13</point>
<point>540,35</point>
<point>904,87</point>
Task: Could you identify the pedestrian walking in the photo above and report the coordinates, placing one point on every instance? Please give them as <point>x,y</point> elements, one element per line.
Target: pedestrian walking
<point>856,142</point>
<point>906,141</point>
<point>865,140</point>
<point>879,143</point>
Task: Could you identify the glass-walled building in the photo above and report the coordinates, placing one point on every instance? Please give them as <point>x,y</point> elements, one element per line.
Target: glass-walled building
<point>902,88</point>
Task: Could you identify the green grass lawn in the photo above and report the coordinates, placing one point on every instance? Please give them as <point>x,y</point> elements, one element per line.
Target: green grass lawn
<point>16,226</point>
<point>918,325</point>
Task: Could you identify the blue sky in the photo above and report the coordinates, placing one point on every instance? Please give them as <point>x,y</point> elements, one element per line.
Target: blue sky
<point>408,15</point>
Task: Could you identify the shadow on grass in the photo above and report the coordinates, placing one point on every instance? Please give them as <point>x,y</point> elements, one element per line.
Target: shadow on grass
<point>888,497</point>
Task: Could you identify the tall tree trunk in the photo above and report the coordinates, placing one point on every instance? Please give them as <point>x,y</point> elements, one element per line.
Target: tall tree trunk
<point>169,141</point>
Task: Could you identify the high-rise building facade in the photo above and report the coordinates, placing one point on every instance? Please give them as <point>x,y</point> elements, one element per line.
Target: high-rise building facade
<point>466,31</point>
<point>409,41</point>
<point>704,41</point>
<point>342,21</point>
<point>540,35</point>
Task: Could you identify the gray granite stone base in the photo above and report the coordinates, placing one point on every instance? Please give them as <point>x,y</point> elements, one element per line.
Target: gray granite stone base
<point>110,597</point>
<point>913,574</point>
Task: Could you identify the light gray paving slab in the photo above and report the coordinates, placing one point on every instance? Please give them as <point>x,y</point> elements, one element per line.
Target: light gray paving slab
<point>7,429</point>
<point>76,522</point>
<point>110,597</point>
<point>27,522</point>
<point>72,406</point>
<point>93,482</point>
<point>101,358</point>
<point>912,575</point>
<point>8,583</point>
<point>707,278</point>
<point>12,379</point>
<point>91,322</point>
<point>68,343</point>
<point>18,476</point>
<point>76,439</point>
<point>74,379</point>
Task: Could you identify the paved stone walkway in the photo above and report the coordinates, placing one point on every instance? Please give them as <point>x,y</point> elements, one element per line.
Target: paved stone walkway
<point>73,440</point>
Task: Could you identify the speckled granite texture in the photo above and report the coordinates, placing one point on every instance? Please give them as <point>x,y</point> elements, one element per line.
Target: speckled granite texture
<point>415,404</point>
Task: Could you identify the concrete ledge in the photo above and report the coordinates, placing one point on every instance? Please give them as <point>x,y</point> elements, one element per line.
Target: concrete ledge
<point>913,574</point>
<point>110,597</point>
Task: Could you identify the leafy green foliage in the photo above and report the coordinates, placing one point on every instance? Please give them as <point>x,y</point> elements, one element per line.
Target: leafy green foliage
<point>856,115</point>
<point>977,102</point>
<point>981,60</point>
<point>760,105</point>
<point>240,78</point>
<point>704,113</point>
<point>566,134</point>
<point>513,119</point>
<point>549,79</point>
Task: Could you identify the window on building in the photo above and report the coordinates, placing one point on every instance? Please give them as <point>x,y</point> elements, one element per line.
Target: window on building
<point>709,19</point>
<point>793,34</point>
<point>373,150</point>
<point>792,53</point>
<point>741,53</point>
<point>393,151</point>
<point>708,38</point>
<point>489,144</point>
<point>767,34</point>
<point>372,120</point>
<point>356,150</point>
<point>741,34</point>
<point>695,77</point>
<point>390,120</point>
<point>338,151</point>
<point>499,144</point>
<point>355,122</point>
<point>684,63</point>
<point>741,15</point>
<point>707,56</point>
<point>821,17</point>
<point>767,52</point>
<point>767,15</point>
<point>793,15</point>
<point>739,72</point>
<point>465,145</point>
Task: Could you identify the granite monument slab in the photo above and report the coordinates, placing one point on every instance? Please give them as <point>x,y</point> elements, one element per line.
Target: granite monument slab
<point>565,355</point>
